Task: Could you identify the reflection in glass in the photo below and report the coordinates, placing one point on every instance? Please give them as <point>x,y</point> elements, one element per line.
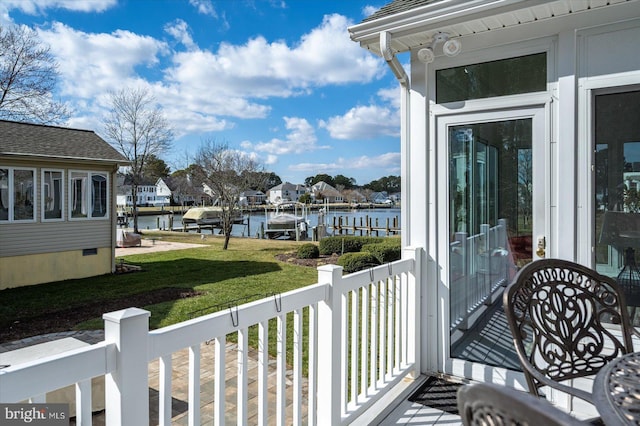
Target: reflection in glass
<point>490,224</point>
<point>99,195</point>
<point>23,208</point>
<point>616,202</point>
<point>52,194</point>
<point>4,194</point>
<point>78,192</point>
<point>512,76</point>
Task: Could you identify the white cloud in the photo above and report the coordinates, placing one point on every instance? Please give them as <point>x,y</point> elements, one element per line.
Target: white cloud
<point>108,61</point>
<point>364,122</point>
<point>391,96</point>
<point>385,163</point>
<point>204,90</point>
<point>260,69</point>
<point>301,138</point>
<point>271,159</point>
<point>369,10</point>
<point>204,7</point>
<point>180,31</point>
<point>33,7</point>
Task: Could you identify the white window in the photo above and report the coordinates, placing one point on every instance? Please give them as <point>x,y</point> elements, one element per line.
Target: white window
<point>88,195</point>
<point>17,195</point>
<point>52,195</point>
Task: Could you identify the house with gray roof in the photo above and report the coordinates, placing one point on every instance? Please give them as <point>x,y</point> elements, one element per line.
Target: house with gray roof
<point>322,191</point>
<point>286,192</point>
<point>57,204</point>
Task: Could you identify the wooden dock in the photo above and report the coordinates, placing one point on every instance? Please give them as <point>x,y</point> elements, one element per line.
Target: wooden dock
<point>365,226</point>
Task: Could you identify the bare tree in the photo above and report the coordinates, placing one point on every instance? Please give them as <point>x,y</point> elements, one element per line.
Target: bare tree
<point>228,173</point>
<point>28,75</point>
<point>138,129</point>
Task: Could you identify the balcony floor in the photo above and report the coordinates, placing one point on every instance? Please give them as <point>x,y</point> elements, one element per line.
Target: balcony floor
<point>434,403</point>
<point>417,414</point>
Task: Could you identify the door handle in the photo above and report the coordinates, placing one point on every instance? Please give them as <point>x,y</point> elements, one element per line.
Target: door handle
<point>542,245</point>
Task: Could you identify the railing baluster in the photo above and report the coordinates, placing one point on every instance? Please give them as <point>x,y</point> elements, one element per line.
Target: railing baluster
<point>373,363</point>
<point>354,346</point>
<point>164,400</point>
<point>391,314</point>
<point>393,331</point>
<point>297,367</point>
<point>344,355</point>
<point>312,385</point>
<point>400,315</point>
<point>281,396</point>
<point>194,385</point>
<point>219,377</point>
<point>83,403</point>
<point>263,371</point>
<point>241,384</point>
<point>364,342</point>
<point>382,365</point>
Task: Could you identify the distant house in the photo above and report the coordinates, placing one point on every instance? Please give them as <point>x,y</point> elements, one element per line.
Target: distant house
<point>379,197</point>
<point>252,198</point>
<point>57,204</point>
<point>146,195</point>
<point>322,191</point>
<point>209,196</point>
<point>286,192</point>
<point>177,190</point>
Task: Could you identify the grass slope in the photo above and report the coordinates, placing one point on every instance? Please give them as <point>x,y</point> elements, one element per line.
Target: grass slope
<point>246,271</point>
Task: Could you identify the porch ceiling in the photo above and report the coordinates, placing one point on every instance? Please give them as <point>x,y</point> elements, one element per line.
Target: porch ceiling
<point>460,18</point>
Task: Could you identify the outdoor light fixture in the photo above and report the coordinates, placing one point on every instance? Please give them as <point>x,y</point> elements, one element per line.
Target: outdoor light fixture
<point>426,55</point>
<point>450,47</point>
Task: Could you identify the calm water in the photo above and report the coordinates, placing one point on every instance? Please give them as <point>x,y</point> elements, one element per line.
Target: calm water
<point>252,226</point>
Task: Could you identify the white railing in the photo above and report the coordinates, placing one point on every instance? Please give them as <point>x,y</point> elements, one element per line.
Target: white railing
<point>354,338</point>
<point>479,266</point>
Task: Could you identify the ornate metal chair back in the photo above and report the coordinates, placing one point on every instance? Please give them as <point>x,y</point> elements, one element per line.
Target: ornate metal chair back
<point>486,404</point>
<point>562,315</point>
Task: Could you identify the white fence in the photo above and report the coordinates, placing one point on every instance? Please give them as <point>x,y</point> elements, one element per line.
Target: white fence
<point>479,266</point>
<point>357,336</point>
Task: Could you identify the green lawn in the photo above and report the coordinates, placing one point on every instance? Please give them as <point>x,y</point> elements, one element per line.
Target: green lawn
<point>247,270</point>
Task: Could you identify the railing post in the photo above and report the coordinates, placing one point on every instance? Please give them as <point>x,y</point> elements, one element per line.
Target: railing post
<point>127,387</point>
<point>414,286</point>
<point>331,341</point>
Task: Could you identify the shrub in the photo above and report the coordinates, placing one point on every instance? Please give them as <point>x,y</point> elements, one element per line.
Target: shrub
<point>308,251</point>
<point>385,252</point>
<point>353,262</point>
<point>345,244</point>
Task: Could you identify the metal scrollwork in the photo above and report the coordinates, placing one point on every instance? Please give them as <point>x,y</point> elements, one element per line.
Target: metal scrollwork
<point>569,338</point>
<point>557,310</point>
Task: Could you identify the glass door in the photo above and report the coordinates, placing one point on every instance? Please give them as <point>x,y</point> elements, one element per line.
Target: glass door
<point>495,204</point>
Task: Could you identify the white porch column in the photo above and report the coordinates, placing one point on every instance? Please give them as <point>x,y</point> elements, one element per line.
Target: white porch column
<point>331,348</point>
<point>127,388</point>
<point>414,307</point>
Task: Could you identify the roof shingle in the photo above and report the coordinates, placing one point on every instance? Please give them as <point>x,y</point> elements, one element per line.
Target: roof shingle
<point>55,142</point>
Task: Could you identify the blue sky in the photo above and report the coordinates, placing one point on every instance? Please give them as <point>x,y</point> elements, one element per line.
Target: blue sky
<point>277,79</point>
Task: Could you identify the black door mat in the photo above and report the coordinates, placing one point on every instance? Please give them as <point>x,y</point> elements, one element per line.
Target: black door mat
<point>438,393</point>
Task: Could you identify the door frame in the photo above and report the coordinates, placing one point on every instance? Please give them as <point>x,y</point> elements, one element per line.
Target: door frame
<point>538,108</point>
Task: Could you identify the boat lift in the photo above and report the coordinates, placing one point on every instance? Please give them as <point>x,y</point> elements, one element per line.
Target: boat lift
<point>291,225</point>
